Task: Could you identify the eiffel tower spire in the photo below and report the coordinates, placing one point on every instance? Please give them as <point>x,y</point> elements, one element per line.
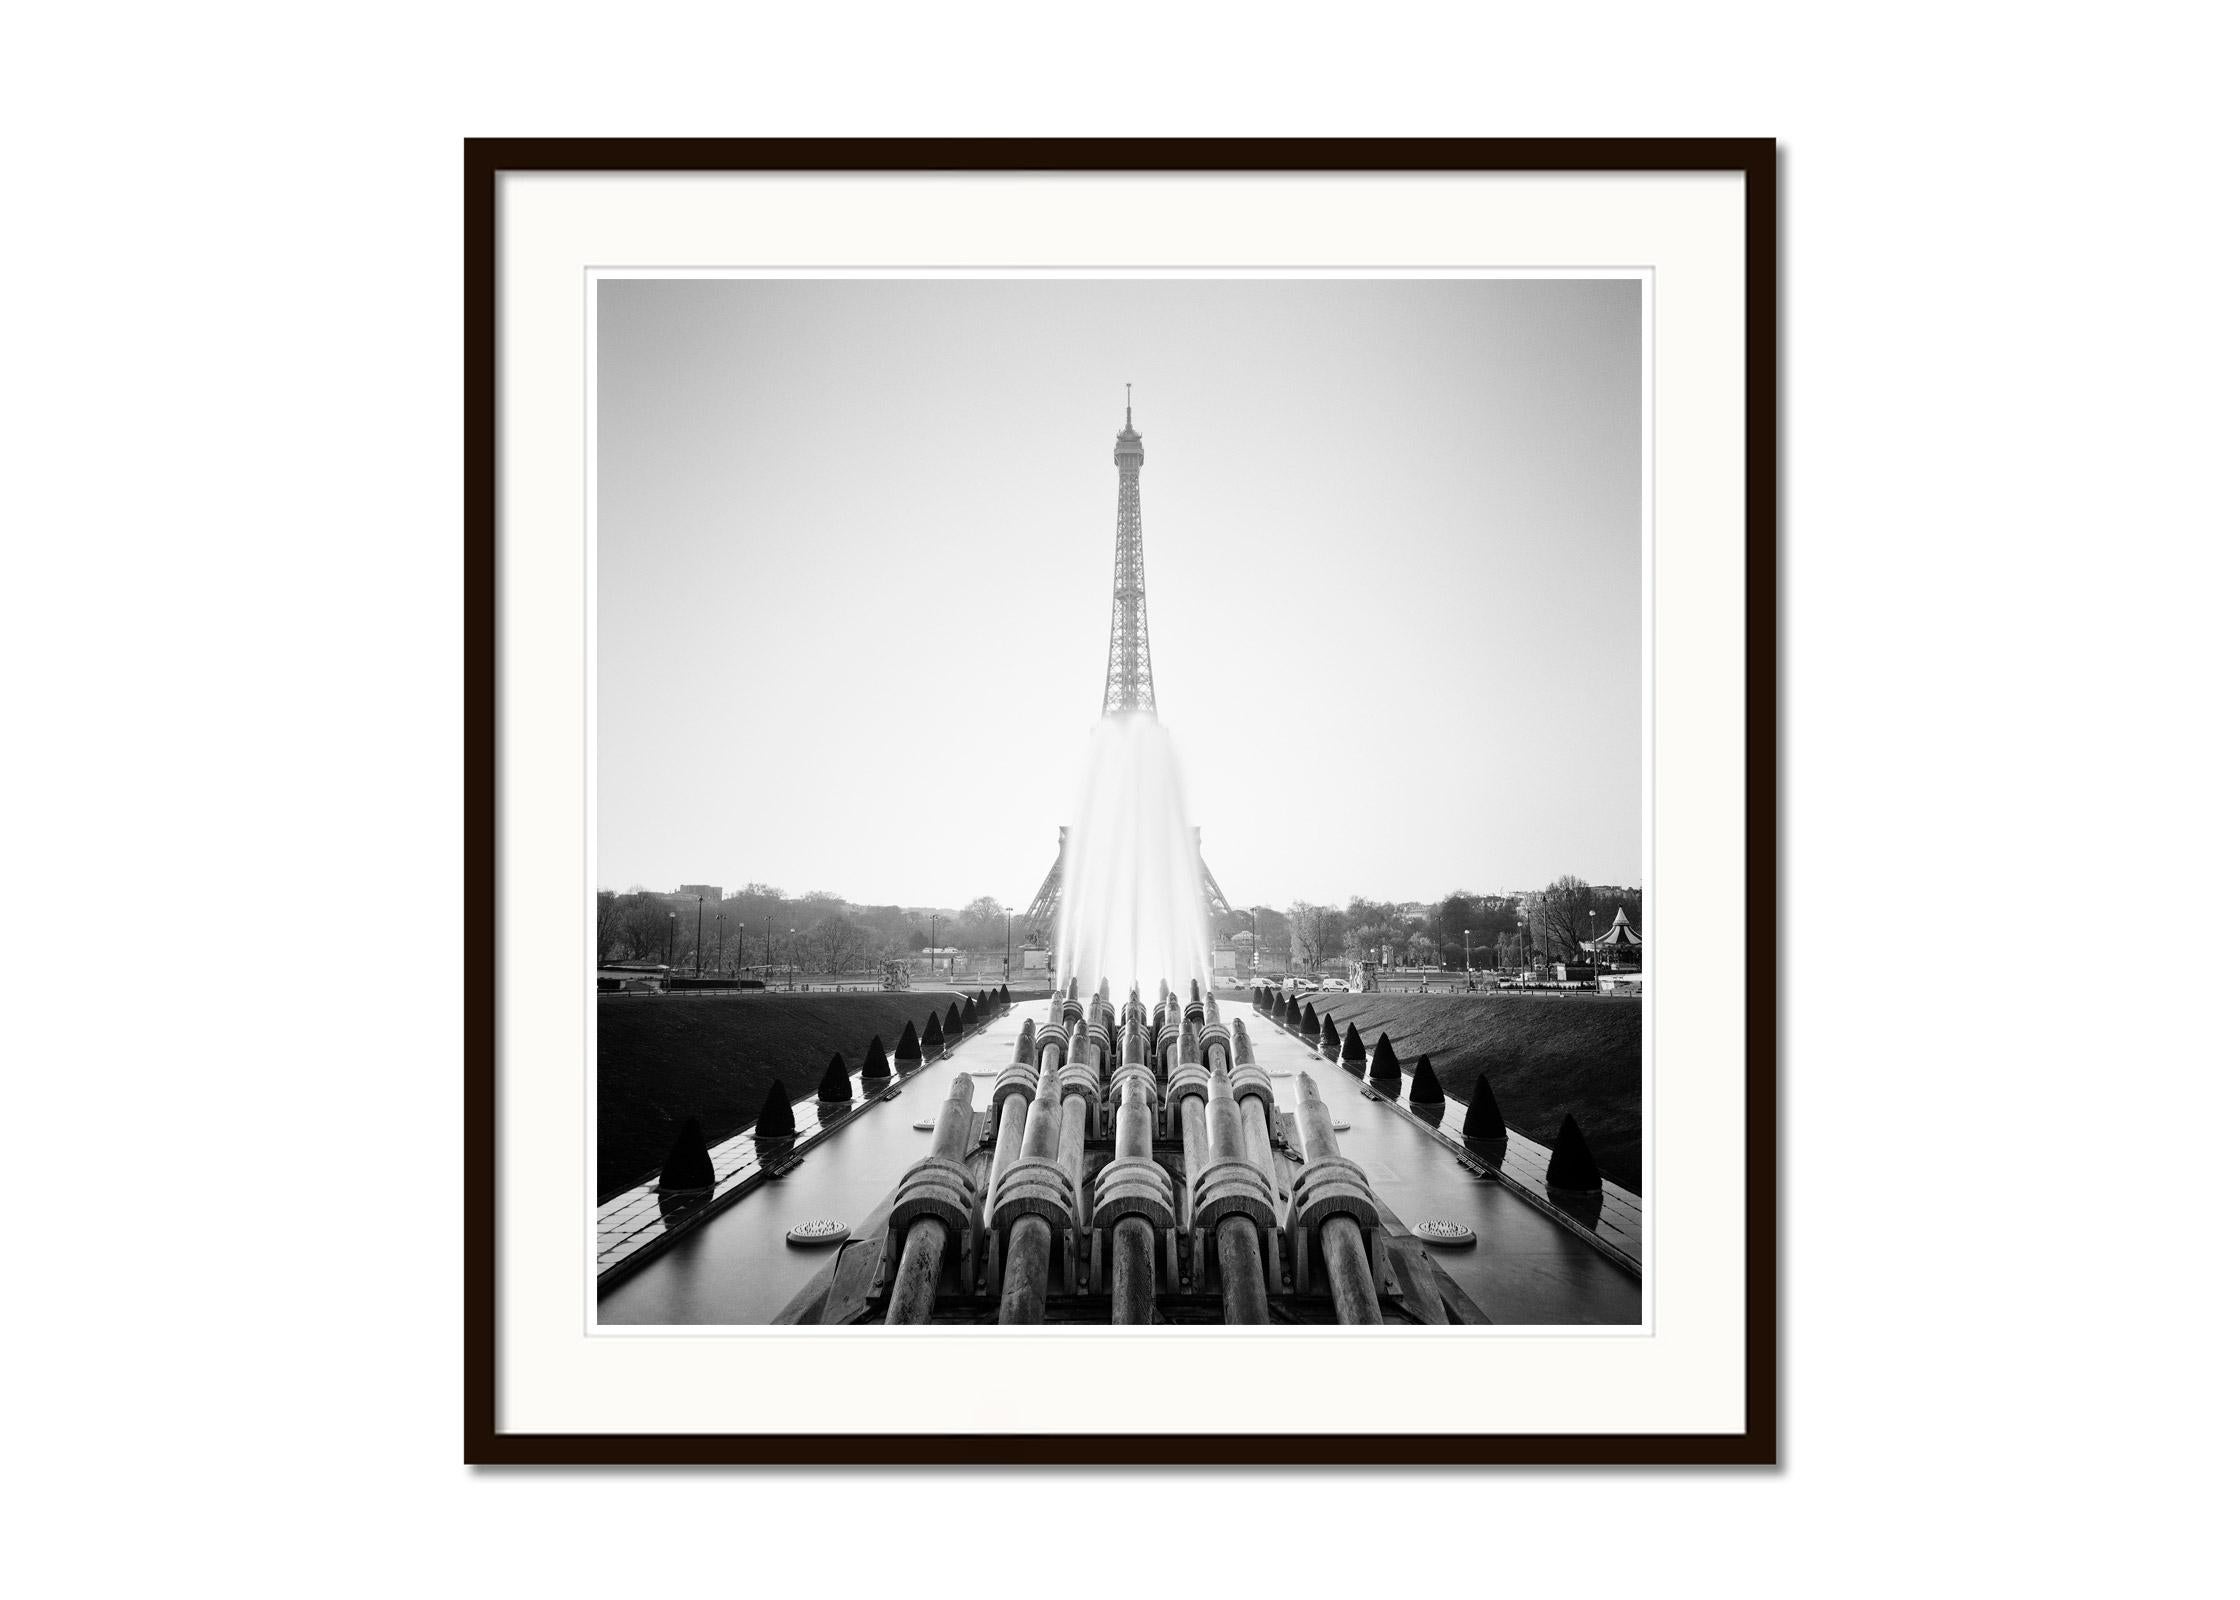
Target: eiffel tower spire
<point>1127,668</point>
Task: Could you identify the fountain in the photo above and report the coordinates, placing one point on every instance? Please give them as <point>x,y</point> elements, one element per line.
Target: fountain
<point>1132,910</point>
<point>1134,1165</point>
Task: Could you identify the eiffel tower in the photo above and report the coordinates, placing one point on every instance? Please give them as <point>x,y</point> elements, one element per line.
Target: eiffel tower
<point>1127,667</point>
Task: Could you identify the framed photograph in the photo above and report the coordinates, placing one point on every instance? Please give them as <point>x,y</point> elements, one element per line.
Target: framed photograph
<point>1124,797</point>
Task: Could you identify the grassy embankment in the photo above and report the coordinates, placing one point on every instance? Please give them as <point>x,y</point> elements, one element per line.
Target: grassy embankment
<point>1543,1054</point>
<point>665,1058</point>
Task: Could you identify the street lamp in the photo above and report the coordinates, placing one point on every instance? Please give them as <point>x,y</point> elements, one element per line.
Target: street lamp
<point>699,927</point>
<point>671,959</point>
<point>1466,958</point>
<point>1594,954</point>
<point>1007,947</point>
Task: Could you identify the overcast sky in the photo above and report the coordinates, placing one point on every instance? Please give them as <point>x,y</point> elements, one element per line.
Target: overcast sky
<point>855,561</point>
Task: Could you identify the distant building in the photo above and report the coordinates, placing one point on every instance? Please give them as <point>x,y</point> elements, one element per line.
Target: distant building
<point>699,891</point>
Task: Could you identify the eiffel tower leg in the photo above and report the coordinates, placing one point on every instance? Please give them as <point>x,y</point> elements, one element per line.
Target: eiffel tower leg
<point>1217,903</point>
<point>1042,912</point>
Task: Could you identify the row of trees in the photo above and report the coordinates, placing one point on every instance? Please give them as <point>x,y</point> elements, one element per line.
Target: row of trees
<point>764,926</point>
<point>1494,929</point>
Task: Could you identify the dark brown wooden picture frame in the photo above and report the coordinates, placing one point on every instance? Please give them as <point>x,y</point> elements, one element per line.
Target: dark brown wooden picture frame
<point>489,161</point>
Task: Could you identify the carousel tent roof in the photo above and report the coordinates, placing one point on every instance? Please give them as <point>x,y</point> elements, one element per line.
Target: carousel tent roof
<point>1619,935</point>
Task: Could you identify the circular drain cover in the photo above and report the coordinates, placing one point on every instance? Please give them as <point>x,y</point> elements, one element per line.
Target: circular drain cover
<point>923,1127</point>
<point>822,1231</point>
<point>1448,1235</point>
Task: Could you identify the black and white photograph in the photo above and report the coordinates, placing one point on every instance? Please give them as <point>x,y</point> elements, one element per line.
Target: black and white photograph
<point>1120,800</point>
<point>907,798</point>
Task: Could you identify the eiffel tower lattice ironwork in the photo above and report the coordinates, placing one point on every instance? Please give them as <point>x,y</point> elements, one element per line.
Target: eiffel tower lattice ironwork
<point>1127,669</point>
<point>1127,662</point>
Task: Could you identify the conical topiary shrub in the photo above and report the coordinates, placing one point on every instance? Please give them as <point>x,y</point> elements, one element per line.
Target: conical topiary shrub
<point>1353,1053</point>
<point>776,1121</point>
<point>1572,1167</point>
<point>1003,995</point>
<point>835,1088</point>
<point>875,1061</point>
<point>1330,1038</point>
<point>1309,1028</point>
<point>907,1053</point>
<point>952,1026</point>
<point>971,1012</point>
<point>688,1166</point>
<point>1383,1064</point>
<point>1483,1120</point>
<point>932,1038</point>
<point>1291,1012</point>
<point>1425,1089</point>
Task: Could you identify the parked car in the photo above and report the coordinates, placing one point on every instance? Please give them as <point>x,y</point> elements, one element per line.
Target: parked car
<point>1338,984</point>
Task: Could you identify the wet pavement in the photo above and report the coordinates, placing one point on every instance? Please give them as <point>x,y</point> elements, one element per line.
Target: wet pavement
<point>1526,1268</point>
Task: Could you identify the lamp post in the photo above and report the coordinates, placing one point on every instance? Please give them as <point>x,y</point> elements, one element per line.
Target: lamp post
<point>793,957</point>
<point>670,960</point>
<point>1007,947</point>
<point>1594,953</point>
<point>933,943</point>
<point>1466,960</point>
<point>739,966</point>
<point>769,970</point>
<point>699,926</point>
<point>719,944</point>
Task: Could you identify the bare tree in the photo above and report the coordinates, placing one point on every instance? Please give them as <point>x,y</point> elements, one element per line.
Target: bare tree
<point>838,944</point>
<point>1315,932</point>
<point>610,923</point>
<point>645,926</point>
<point>980,924</point>
<point>1559,917</point>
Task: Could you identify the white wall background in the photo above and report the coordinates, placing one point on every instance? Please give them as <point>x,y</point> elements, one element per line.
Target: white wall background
<point>231,632</point>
